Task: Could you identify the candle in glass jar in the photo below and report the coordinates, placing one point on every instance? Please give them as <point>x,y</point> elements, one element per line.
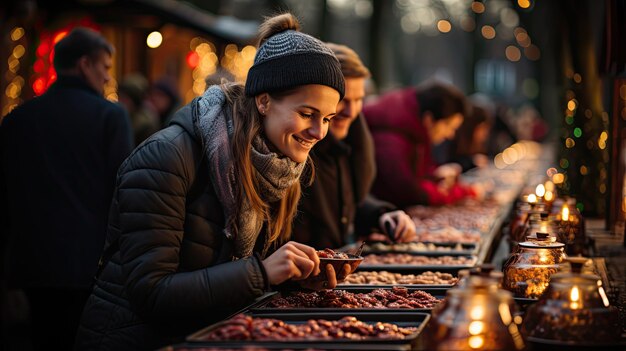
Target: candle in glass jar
<point>574,297</point>
<point>565,213</point>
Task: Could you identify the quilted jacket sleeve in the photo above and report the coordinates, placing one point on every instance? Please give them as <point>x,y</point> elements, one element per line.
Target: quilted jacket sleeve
<point>152,188</point>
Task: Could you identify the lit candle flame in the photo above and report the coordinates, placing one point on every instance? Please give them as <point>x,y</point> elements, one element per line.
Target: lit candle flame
<point>565,213</point>
<point>574,296</point>
<point>540,190</point>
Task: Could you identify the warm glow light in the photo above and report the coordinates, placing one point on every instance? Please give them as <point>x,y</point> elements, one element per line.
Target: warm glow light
<point>565,213</point>
<point>512,53</point>
<point>154,40</point>
<point>532,198</point>
<point>505,313</point>
<point>488,32</point>
<point>17,33</point>
<point>549,196</point>
<point>59,36</point>
<point>476,341</point>
<point>444,26</point>
<point>540,190</point>
<point>549,186</point>
<point>477,313</point>
<point>478,7</point>
<point>523,3</point>
<point>605,299</point>
<point>571,105</point>
<point>558,178</point>
<point>476,327</point>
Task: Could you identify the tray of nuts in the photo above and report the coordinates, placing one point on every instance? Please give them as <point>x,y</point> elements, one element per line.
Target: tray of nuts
<point>327,330</point>
<point>422,248</point>
<point>364,299</point>
<point>424,280</point>
<point>416,263</point>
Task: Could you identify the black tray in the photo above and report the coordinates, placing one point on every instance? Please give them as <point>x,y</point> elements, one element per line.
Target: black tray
<point>467,250</point>
<point>402,271</point>
<point>412,268</point>
<point>261,306</point>
<point>409,319</point>
<point>537,344</point>
<point>277,346</point>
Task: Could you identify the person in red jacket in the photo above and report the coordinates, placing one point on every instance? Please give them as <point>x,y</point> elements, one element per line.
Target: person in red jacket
<point>405,124</point>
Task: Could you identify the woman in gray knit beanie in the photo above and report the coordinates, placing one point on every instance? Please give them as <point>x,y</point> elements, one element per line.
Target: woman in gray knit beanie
<point>202,211</point>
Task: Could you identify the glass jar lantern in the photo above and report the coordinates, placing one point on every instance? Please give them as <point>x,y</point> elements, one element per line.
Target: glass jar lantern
<point>477,316</point>
<point>527,271</point>
<point>574,311</point>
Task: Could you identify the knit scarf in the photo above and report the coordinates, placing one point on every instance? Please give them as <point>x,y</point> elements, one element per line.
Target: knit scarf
<point>275,174</point>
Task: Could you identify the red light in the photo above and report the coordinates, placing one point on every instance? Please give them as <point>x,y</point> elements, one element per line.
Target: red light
<point>43,49</point>
<point>39,66</point>
<point>193,59</point>
<point>39,86</point>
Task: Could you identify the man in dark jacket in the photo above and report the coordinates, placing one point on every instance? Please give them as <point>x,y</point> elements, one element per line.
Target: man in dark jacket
<point>60,153</point>
<point>337,208</point>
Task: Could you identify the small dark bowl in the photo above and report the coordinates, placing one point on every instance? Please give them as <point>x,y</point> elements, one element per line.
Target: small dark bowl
<point>337,263</point>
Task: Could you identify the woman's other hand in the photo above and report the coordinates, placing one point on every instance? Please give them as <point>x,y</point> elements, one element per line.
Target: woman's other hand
<point>402,225</point>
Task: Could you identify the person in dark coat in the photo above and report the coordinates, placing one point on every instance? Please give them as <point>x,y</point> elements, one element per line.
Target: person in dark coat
<point>337,208</point>
<point>405,124</point>
<point>60,153</point>
<point>202,209</point>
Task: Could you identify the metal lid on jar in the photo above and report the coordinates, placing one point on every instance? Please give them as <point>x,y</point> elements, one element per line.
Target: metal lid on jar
<point>541,241</point>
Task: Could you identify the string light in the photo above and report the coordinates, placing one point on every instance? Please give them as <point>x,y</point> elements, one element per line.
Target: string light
<point>15,82</point>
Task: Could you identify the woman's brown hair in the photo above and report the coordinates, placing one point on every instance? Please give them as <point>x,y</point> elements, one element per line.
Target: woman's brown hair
<point>247,125</point>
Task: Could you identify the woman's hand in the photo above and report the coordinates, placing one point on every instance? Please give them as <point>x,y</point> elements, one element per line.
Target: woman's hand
<point>291,261</point>
<point>331,279</point>
<point>403,226</point>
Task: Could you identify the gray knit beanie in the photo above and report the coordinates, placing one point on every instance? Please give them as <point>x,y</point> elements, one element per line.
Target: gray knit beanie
<point>289,59</point>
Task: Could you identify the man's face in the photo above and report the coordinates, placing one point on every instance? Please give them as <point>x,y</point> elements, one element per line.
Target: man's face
<point>96,70</point>
<point>349,108</point>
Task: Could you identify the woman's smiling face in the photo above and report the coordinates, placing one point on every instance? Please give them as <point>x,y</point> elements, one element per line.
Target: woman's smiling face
<point>295,122</point>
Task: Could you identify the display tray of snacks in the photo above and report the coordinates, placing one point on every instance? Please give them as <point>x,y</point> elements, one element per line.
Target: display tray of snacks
<point>365,299</point>
<point>282,347</point>
<point>428,279</point>
<point>447,235</point>
<point>416,263</point>
<point>326,330</point>
<point>422,248</point>
<point>540,344</point>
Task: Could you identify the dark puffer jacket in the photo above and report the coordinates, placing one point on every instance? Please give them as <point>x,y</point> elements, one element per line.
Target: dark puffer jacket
<point>164,281</point>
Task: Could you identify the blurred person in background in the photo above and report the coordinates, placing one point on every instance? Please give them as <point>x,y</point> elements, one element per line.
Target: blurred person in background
<point>162,99</point>
<point>338,205</point>
<point>203,209</point>
<point>59,156</point>
<point>132,94</point>
<point>468,148</point>
<point>405,125</point>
